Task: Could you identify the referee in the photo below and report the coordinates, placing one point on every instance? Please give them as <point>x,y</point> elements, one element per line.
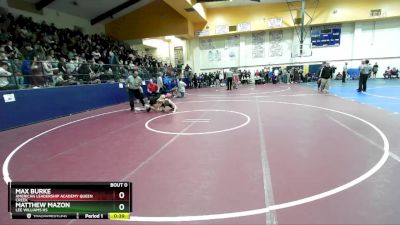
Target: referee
<point>134,83</point>
<point>365,71</point>
<point>229,79</point>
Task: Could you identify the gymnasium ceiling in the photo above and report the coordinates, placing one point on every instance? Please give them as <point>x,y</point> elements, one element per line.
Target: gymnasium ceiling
<point>90,9</point>
<point>233,3</point>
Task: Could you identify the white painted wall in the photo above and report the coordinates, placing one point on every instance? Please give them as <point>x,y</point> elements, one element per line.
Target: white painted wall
<point>164,49</point>
<point>376,40</point>
<point>60,20</point>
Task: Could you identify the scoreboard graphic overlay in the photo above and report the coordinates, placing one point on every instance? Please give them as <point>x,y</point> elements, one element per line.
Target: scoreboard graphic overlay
<point>70,200</point>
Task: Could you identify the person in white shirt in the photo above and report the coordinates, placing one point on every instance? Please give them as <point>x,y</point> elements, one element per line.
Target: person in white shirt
<point>48,70</point>
<point>96,54</point>
<point>160,82</point>
<point>4,74</point>
<point>181,88</point>
<point>344,73</point>
<point>221,78</point>
<point>276,74</point>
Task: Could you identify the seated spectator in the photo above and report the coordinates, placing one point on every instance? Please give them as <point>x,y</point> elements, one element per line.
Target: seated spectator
<point>64,76</point>
<point>152,88</point>
<point>11,51</point>
<point>3,55</point>
<point>62,67</point>
<point>174,88</point>
<point>48,70</point>
<point>96,54</point>
<point>42,40</point>
<point>84,71</point>
<point>4,74</point>
<point>104,71</point>
<point>93,75</point>
<point>395,72</point>
<point>274,78</point>
<point>387,73</point>
<point>338,76</point>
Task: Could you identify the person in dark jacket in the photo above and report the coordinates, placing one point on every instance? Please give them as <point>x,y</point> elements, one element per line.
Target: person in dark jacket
<point>365,72</point>
<point>326,75</point>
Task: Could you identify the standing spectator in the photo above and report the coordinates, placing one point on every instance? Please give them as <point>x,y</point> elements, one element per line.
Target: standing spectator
<point>134,84</point>
<point>229,79</point>
<point>221,78</point>
<point>48,70</point>
<point>319,74</point>
<point>195,80</point>
<point>29,52</point>
<point>160,83</point>
<point>275,75</point>
<point>286,76</point>
<point>365,71</point>
<point>344,73</point>
<point>186,71</point>
<point>181,88</point>
<point>114,61</point>
<point>375,70</point>
<point>187,67</point>
<point>326,75</point>
<point>36,79</point>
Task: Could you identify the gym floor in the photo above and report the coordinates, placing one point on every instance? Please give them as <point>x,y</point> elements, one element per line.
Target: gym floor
<point>265,154</point>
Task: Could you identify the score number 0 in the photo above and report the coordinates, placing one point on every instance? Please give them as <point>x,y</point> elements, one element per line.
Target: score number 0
<point>121,195</point>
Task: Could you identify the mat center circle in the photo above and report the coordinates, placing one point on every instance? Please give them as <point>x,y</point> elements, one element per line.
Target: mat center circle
<point>198,122</point>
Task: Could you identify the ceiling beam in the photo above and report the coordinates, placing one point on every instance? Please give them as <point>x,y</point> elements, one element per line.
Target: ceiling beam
<point>205,1</point>
<point>189,11</point>
<point>43,3</point>
<point>113,11</point>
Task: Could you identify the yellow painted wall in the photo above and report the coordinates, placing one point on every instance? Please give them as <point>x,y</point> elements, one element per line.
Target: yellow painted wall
<point>258,15</point>
<point>198,15</point>
<point>153,20</point>
<point>159,19</point>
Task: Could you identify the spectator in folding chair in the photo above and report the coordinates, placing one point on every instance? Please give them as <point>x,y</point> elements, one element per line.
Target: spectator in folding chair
<point>387,73</point>
<point>395,72</point>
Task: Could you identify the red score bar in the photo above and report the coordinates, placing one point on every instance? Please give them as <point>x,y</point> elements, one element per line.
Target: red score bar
<point>82,195</point>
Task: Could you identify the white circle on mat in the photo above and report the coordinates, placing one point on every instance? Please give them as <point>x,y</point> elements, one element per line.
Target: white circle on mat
<point>198,133</point>
<point>246,94</point>
<point>343,187</point>
<point>289,204</point>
